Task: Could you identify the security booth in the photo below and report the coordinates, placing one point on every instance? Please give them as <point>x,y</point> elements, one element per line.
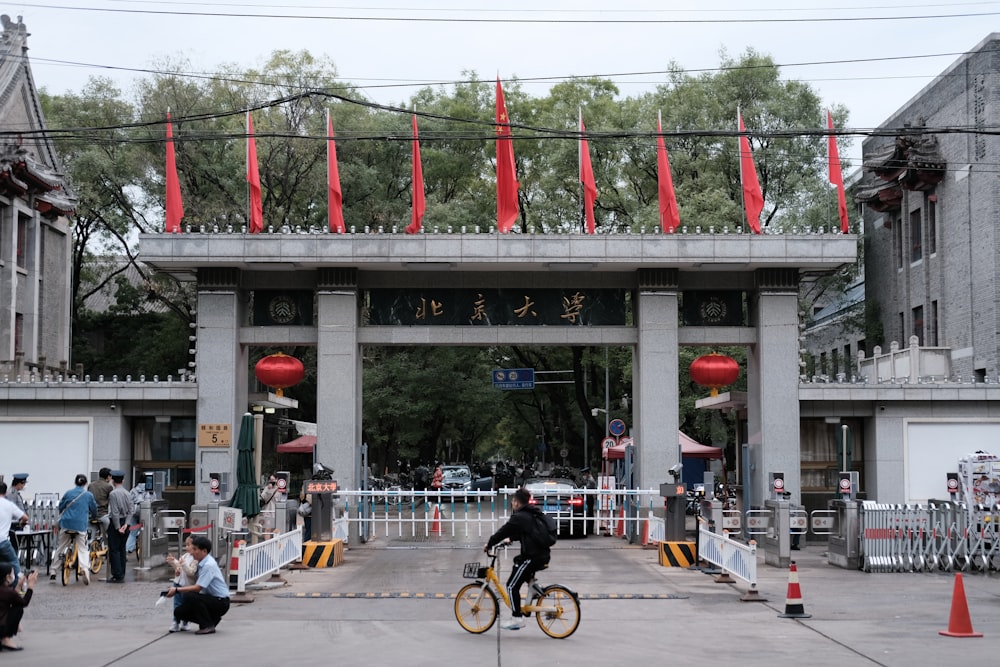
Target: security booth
<point>844,549</point>
<point>323,492</point>
<point>675,495</point>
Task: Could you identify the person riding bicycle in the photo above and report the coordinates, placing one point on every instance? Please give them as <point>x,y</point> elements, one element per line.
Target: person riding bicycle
<point>521,527</point>
<point>76,508</point>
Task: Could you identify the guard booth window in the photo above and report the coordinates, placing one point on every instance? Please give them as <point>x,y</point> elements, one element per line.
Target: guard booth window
<point>167,444</point>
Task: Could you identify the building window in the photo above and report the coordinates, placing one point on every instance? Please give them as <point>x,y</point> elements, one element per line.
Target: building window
<point>932,224</point>
<point>902,329</point>
<point>165,444</point>
<point>916,237</point>
<point>18,333</point>
<point>918,324</point>
<point>822,363</point>
<point>862,347</point>
<point>22,240</point>
<point>821,451</point>
<point>932,330</point>
<point>848,361</point>
<point>897,242</point>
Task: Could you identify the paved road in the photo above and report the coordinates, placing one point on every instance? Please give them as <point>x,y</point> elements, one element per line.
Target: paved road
<point>389,604</point>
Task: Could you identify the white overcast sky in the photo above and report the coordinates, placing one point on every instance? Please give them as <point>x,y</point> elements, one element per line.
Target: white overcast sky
<point>862,55</point>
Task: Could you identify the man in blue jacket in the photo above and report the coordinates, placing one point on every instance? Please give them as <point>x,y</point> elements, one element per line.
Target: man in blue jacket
<point>521,527</point>
<point>76,508</point>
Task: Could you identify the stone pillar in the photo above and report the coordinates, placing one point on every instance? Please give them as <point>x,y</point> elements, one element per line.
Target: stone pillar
<point>773,385</point>
<point>654,380</point>
<point>221,369</point>
<point>338,371</point>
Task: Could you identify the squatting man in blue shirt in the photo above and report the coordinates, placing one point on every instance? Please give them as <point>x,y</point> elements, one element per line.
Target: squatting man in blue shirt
<point>207,600</point>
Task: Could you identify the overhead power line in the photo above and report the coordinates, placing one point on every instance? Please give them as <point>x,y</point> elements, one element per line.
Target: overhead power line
<point>521,21</point>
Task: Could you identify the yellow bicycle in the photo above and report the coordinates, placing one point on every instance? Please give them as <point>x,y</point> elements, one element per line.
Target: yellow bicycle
<point>556,608</point>
<point>98,547</point>
<point>71,561</point>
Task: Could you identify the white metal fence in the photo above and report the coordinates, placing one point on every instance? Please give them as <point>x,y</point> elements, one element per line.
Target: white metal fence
<point>260,560</point>
<point>733,557</point>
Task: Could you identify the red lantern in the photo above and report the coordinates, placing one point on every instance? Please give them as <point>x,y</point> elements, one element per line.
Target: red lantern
<point>279,371</point>
<point>714,370</point>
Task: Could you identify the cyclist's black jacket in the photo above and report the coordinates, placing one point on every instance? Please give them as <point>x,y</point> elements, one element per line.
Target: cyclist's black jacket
<point>520,528</point>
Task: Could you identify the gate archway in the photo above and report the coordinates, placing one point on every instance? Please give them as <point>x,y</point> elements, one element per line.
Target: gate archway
<point>716,289</point>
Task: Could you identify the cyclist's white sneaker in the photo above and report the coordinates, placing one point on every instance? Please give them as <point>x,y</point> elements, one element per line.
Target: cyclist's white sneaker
<point>176,627</point>
<point>184,626</point>
<point>512,624</point>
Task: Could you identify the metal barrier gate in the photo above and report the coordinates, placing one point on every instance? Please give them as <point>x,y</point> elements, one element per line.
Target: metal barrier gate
<point>937,536</point>
<point>416,514</point>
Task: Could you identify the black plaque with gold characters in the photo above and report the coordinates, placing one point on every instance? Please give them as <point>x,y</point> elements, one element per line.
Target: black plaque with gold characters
<point>496,307</point>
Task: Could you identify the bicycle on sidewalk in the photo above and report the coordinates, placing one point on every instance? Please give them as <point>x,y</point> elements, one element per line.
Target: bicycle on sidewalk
<point>556,608</point>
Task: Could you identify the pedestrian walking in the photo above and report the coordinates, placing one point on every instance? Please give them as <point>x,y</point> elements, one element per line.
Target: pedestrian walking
<point>120,511</point>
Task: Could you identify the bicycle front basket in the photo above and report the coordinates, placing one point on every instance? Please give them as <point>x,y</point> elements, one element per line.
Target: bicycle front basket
<point>474,571</point>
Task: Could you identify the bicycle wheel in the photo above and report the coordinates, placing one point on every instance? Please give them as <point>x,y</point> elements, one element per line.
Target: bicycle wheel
<point>97,552</point>
<point>562,622</point>
<point>475,608</point>
<point>68,565</point>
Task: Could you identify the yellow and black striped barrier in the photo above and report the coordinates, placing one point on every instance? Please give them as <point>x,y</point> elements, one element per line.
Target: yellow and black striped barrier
<point>677,554</point>
<point>323,554</point>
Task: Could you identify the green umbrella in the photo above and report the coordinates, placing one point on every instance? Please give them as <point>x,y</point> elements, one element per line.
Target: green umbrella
<point>246,496</point>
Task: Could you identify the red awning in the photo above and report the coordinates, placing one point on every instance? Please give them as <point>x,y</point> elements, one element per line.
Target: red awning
<point>304,444</point>
<point>689,448</point>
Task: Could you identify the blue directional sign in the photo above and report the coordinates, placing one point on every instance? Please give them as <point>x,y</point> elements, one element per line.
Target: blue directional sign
<point>514,378</point>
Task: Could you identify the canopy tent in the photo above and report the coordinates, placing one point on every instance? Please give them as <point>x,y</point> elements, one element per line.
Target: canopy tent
<point>304,444</point>
<point>690,448</point>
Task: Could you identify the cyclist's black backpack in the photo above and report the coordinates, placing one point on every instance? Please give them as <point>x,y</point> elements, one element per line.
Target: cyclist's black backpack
<point>546,530</point>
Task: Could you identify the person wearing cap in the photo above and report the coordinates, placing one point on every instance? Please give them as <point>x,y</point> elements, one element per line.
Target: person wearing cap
<point>120,510</point>
<point>16,486</point>
<point>588,482</point>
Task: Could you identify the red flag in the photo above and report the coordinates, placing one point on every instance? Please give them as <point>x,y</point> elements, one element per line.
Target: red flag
<point>837,176</point>
<point>670,217</point>
<point>587,178</point>
<point>175,207</point>
<point>335,195</point>
<point>419,204</point>
<point>253,178</point>
<point>753,200</point>
<point>507,210</point>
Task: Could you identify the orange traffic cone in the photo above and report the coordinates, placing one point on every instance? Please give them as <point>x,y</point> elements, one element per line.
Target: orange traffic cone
<point>645,532</point>
<point>234,563</point>
<point>620,523</point>
<point>793,602</point>
<point>960,624</point>
<point>436,522</point>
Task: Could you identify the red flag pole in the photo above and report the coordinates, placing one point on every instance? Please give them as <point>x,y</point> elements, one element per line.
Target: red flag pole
<point>670,217</point>
<point>507,205</point>
<point>419,203</point>
<point>837,176</point>
<point>174,204</point>
<point>753,199</point>
<point>587,178</point>
<point>335,196</point>
<point>253,181</point>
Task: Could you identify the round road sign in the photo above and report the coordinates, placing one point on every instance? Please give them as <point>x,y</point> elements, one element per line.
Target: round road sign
<point>779,484</point>
<point>845,485</point>
<point>616,427</point>
<point>952,484</point>
<point>609,442</point>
